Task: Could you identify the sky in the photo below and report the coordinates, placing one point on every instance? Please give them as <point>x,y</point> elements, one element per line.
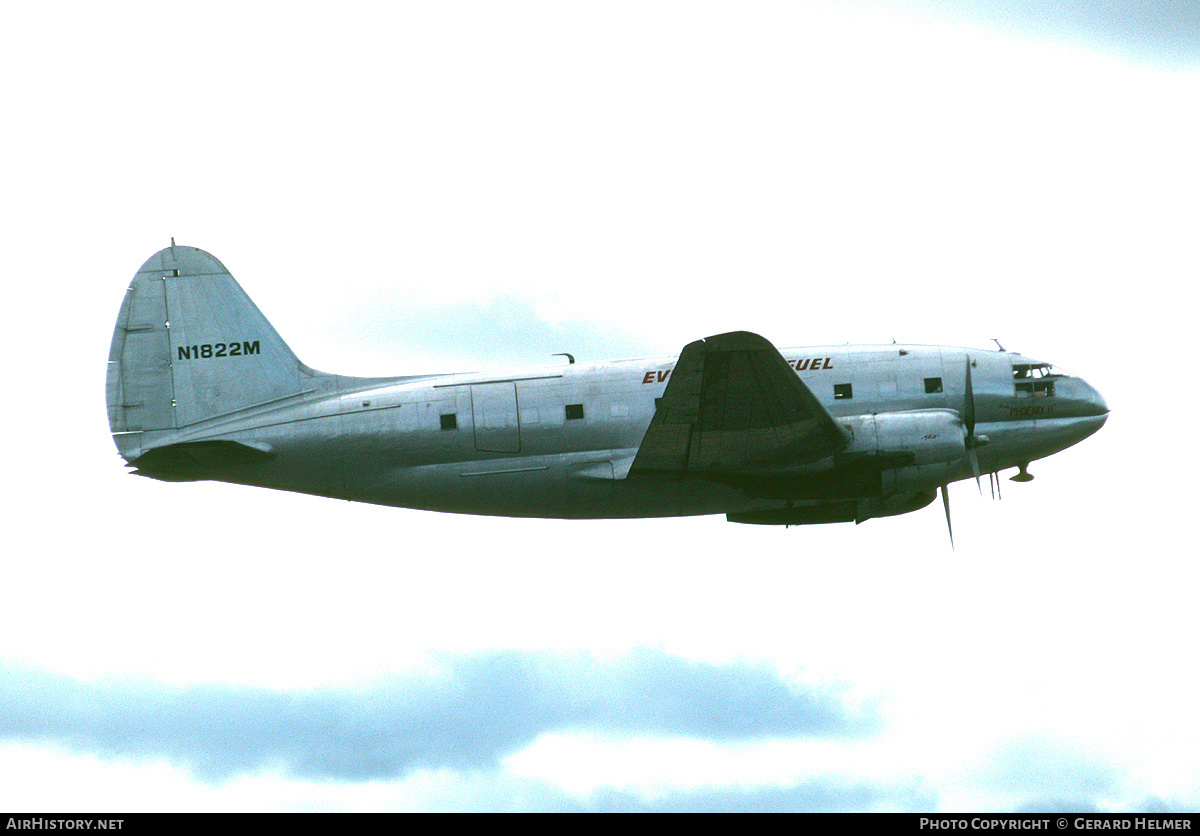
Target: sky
<point>407,187</point>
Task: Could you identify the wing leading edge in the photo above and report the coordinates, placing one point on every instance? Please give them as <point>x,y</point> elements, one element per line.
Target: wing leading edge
<point>733,405</point>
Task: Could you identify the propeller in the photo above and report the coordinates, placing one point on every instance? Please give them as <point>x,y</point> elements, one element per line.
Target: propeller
<point>946,505</point>
<point>971,440</point>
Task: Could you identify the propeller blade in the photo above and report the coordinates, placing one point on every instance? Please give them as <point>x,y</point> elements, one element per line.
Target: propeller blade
<point>946,504</point>
<point>969,402</point>
<point>969,425</point>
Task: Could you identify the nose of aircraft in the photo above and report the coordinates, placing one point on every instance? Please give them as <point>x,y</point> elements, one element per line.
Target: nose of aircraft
<point>1086,410</point>
<point>1078,411</point>
<point>1079,399</point>
<point>1091,401</point>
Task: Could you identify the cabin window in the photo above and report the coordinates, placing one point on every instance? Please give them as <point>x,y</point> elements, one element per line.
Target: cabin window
<point>842,391</point>
<point>933,385</point>
<point>574,411</point>
<point>450,422</point>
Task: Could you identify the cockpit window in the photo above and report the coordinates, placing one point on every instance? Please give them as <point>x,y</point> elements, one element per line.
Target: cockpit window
<point>1036,371</point>
<point>1034,380</point>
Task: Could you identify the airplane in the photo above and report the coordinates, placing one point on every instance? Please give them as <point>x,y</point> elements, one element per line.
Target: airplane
<point>200,386</point>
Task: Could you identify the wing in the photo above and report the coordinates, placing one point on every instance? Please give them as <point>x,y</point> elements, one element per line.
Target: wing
<point>732,405</point>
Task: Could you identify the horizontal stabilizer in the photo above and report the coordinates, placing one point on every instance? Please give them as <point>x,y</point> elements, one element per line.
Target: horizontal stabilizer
<point>196,459</point>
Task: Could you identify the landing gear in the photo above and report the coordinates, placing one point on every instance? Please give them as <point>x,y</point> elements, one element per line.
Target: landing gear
<point>1024,475</point>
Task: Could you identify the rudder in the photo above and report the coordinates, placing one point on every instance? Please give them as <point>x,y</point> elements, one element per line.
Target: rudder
<point>189,345</point>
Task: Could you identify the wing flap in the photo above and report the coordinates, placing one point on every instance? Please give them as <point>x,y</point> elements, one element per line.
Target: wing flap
<point>733,404</point>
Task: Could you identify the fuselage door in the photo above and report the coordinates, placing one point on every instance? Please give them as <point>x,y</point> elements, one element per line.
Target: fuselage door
<point>494,408</point>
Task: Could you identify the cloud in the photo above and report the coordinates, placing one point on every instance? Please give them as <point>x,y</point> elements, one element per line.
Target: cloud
<point>463,713</point>
<point>1161,32</point>
<point>501,331</point>
<point>502,791</point>
<point>816,796</point>
<point>1057,805</point>
<point>1051,775</point>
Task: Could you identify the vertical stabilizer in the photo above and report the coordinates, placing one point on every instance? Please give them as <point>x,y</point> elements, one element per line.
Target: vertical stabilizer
<point>189,345</point>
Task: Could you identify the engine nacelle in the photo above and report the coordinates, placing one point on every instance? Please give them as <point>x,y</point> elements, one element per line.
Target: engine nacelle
<point>893,465</point>
<point>931,436</point>
<point>932,441</point>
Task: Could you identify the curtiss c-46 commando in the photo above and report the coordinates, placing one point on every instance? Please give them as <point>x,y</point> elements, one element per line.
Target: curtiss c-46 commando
<point>200,386</point>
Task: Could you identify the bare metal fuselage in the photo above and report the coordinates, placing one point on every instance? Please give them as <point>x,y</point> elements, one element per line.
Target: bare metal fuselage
<point>503,444</point>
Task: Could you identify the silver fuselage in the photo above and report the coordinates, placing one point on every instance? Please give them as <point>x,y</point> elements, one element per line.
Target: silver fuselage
<point>558,441</point>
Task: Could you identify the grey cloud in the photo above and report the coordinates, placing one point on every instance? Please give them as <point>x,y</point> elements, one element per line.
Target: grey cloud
<point>467,714</point>
<point>653,692</point>
<point>1154,804</point>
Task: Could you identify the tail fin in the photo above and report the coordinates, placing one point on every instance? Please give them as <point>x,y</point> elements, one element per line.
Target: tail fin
<point>190,345</point>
